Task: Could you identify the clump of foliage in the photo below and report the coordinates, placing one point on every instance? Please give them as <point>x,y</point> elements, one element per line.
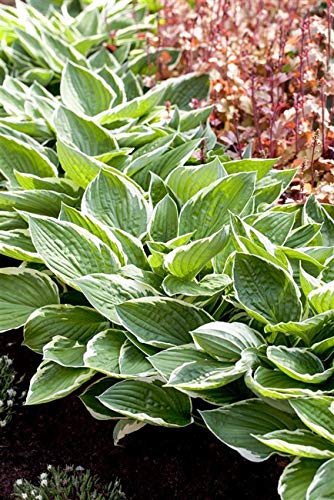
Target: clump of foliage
<point>157,274</point>
<point>275,88</point>
<point>67,484</point>
<point>8,390</point>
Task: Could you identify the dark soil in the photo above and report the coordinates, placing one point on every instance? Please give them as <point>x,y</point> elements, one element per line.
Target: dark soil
<point>154,463</point>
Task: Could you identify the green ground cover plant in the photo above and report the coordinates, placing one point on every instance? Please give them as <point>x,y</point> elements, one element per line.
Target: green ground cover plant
<point>154,273</point>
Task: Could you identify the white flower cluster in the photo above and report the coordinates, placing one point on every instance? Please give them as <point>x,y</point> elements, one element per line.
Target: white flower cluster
<point>8,392</point>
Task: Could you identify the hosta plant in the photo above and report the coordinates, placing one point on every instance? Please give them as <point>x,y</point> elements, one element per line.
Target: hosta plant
<point>159,277</point>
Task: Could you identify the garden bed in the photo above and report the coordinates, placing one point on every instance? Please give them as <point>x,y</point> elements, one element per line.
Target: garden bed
<point>152,463</point>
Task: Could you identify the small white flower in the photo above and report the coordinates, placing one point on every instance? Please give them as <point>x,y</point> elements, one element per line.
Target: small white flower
<point>10,403</point>
<point>49,467</point>
<point>24,495</point>
<point>44,482</point>
<point>79,468</point>
<point>3,423</point>
<point>19,482</point>
<point>11,393</point>
<point>44,475</point>
<point>1,403</point>
<point>39,497</point>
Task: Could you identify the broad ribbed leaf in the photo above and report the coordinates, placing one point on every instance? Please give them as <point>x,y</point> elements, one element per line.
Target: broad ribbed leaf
<point>103,352</point>
<point>210,285</point>
<point>208,210</point>
<point>78,166</point>
<point>57,184</point>
<point>37,201</point>
<point>275,226</point>
<point>300,442</point>
<point>187,180</point>
<point>65,352</point>
<point>148,402</point>
<point>266,291</point>
<point>133,362</point>
<point>69,250</point>
<point>235,425</point>
<point>275,384</point>
<point>83,133</point>
<point>83,91</point>
<point>116,202</point>
<point>322,485</point>
<point>52,381</point>
<point>163,225</point>
<point>70,214</point>
<point>316,414</point>
<point>299,364</point>
<point>261,167</point>
<point>226,341</point>
<point>296,478</point>
<point>132,248</point>
<point>188,260</point>
<point>166,361</point>
<point>17,244</point>
<point>314,211</point>
<point>182,90</point>
<point>22,291</point>
<point>322,299</point>
<point>94,406</point>
<point>106,291</point>
<point>15,154</point>
<point>316,327</point>
<point>161,322</point>
<point>132,109</point>
<point>204,375</point>
<point>76,323</point>
<point>302,235</point>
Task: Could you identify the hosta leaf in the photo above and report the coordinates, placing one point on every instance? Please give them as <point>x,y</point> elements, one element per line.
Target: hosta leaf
<point>236,424</point>
<point>261,167</point>
<point>300,442</point>
<point>208,210</point>
<point>11,220</point>
<point>322,299</point>
<point>84,92</point>
<point>76,323</point>
<point>64,352</point>
<point>275,226</point>
<point>275,384</point>
<point>57,184</point>
<point>302,235</point>
<point>315,413</point>
<point>300,364</point>
<point>132,109</point>
<point>226,341</point>
<point>163,225</point>
<point>69,250</point>
<point>125,427</point>
<point>188,260</point>
<point>70,214</point>
<point>322,486</point>
<point>106,291</point>
<point>78,166</point>
<point>180,91</point>
<point>83,133</point>
<point>311,329</point>
<point>187,180</point>
<point>161,322</point>
<point>166,361</point>
<point>210,285</point>
<point>116,202</point>
<point>204,375</point>
<point>148,402</point>
<point>103,352</point>
<point>133,362</point>
<point>132,248</point>
<point>17,244</point>
<point>265,290</point>
<point>93,405</point>
<point>24,158</point>
<point>22,291</point>
<point>314,211</point>
<point>296,478</point>
<point>52,381</point>
<point>35,201</point>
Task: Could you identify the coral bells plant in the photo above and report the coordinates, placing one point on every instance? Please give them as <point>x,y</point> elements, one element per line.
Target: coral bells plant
<point>272,76</point>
